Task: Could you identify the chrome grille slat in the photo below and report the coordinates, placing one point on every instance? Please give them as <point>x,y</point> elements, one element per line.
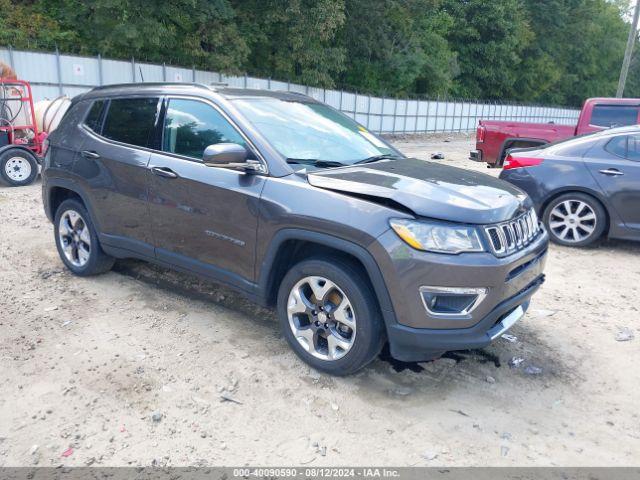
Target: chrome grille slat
<point>509,237</point>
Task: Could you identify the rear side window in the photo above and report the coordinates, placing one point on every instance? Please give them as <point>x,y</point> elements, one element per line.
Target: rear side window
<point>131,120</point>
<point>94,117</point>
<point>633,148</point>
<point>614,115</point>
<point>626,146</point>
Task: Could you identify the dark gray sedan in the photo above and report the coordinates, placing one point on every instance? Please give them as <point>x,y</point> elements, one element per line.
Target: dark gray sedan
<point>584,188</point>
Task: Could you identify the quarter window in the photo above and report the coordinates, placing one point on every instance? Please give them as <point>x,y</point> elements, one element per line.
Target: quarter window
<point>625,146</point>
<point>191,126</point>
<point>94,118</point>
<point>131,120</point>
<point>617,146</point>
<point>614,115</point>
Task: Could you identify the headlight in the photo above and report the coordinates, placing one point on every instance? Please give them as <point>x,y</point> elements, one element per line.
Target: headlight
<point>437,237</point>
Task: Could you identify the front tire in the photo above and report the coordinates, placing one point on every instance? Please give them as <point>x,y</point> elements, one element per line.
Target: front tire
<point>330,316</point>
<point>18,167</point>
<point>77,240</point>
<point>575,220</point>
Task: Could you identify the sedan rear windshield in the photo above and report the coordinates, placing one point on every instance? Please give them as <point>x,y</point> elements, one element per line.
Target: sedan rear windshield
<point>308,131</point>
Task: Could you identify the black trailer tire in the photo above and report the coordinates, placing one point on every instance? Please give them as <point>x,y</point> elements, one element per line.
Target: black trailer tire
<point>18,167</point>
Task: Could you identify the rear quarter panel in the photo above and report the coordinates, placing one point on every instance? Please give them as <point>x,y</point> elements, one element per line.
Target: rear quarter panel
<point>554,177</point>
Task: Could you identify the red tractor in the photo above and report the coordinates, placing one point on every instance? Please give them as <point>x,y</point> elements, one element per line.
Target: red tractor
<point>21,144</point>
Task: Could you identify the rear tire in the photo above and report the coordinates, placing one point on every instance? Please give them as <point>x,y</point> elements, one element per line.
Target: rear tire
<point>342,331</point>
<point>77,240</point>
<point>18,167</point>
<point>575,220</point>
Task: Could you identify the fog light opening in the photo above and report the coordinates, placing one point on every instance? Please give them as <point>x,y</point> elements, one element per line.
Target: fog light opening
<point>451,301</point>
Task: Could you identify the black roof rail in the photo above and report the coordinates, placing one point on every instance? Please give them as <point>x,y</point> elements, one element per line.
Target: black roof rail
<point>156,84</point>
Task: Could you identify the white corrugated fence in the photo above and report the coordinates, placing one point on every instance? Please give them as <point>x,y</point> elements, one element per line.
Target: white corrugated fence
<point>55,74</point>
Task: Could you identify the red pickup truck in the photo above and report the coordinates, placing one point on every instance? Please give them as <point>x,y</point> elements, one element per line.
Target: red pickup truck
<point>494,138</point>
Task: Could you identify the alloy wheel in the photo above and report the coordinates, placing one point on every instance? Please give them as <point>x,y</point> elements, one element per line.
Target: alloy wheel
<point>321,318</point>
<point>75,238</point>
<point>572,221</point>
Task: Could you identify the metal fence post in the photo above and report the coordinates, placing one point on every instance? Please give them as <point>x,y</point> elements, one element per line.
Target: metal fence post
<point>164,72</point>
<point>100,80</point>
<point>11,62</point>
<point>193,73</point>
<point>245,80</point>
<point>133,70</point>
<point>395,113</point>
<point>369,112</point>
<point>269,83</point>
<point>381,116</point>
<point>59,71</point>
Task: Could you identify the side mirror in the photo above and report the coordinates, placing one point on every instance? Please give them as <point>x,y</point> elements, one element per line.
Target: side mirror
<point>230,155</point>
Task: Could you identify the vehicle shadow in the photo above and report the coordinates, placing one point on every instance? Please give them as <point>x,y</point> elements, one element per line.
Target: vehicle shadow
<point>528,357</point>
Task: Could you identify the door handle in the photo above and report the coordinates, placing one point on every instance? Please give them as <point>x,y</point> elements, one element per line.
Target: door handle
<point>164,172</point>
<point>613,172</point>
<point>90,154</point>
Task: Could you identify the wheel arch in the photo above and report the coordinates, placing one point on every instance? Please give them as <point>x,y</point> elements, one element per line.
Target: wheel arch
<point>508,142</point>
<point>575,189</point>
<point>58,190</point>
<point>289,246</point>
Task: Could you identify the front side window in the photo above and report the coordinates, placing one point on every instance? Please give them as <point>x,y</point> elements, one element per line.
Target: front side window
<point>131,120</point>
<point>305,131</point>
<point>190,126</point>
<point>614,115</point>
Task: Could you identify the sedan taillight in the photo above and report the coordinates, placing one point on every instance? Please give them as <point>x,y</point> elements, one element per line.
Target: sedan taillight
<point>521,162</point>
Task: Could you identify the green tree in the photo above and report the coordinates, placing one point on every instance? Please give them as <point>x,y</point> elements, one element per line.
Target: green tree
<point>23,25</point>
<point>577,51</point>
<point>293,39</point>
<point>489,38</point>
<point>396,46</point>
<point>186,32</point>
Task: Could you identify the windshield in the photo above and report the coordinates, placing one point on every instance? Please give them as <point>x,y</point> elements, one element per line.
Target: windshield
<point>310,132</point>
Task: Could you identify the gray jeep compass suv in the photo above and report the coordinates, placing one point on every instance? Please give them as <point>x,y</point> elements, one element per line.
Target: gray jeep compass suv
<point>295,205</point>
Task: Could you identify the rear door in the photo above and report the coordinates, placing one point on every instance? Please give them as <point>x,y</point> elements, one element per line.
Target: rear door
<point>113,161</point>
<point>204,218</point>
<point>615,165</point>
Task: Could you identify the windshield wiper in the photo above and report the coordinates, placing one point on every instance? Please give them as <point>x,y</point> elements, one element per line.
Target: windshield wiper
<point>375,158</point>
<point>316,163</point>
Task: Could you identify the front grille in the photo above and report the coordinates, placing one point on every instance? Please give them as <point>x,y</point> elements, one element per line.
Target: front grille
<point>512,236</point>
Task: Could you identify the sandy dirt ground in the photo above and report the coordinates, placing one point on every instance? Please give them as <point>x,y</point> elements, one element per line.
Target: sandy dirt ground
<point>133,368</point>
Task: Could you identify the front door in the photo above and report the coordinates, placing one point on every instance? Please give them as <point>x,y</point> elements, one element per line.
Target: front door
<point>616,168</point>
<point>204,218</point>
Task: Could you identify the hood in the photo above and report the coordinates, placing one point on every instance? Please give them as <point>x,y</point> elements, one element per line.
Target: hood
<point>429,189</point>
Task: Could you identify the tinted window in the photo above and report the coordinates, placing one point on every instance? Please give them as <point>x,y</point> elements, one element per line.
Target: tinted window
<point>617,146</point>
<point>94,118</point>
<point>614,115</point>
<point>633,147</point>
<point>130,120</point>
<point>191,126</point>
